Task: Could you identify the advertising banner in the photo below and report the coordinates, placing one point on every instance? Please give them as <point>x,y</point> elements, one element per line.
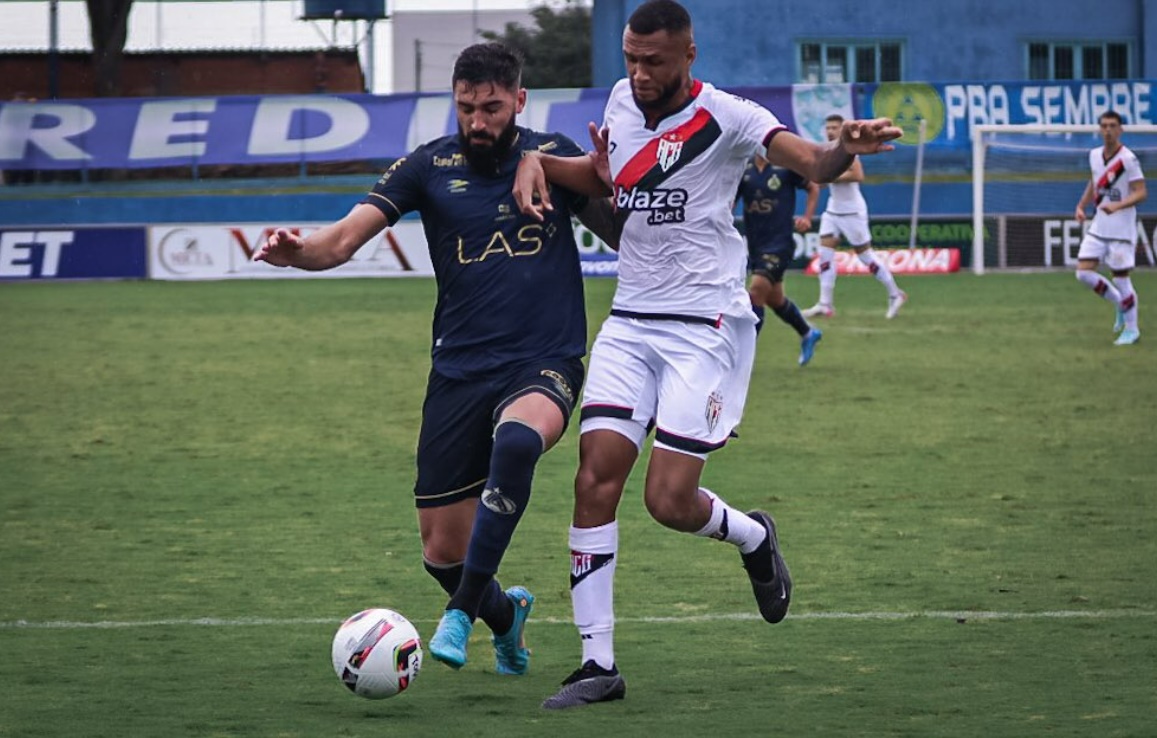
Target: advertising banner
<point>950,110</point>
<point>125,133</point>
<point>898,261</point>
<point>1044,241</point>
<point>200,251</point>
<point>75,253</point>
<point>128,133</point>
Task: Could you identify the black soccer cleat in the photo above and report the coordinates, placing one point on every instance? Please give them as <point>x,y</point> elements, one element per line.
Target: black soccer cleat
<point>588,684</point>
<point>773,596</point>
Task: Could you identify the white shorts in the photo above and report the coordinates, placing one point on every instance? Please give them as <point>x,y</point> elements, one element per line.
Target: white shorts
<point>852,226</point>
<point>687,380</point>
<point>1117,255</point>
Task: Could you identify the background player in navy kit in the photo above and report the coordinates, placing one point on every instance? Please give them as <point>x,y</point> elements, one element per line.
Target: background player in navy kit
<point>768,196</point>
<point>509,335</point>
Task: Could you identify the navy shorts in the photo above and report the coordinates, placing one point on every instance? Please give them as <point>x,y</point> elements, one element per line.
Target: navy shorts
<point>458,419</point>
<point>771,260</point>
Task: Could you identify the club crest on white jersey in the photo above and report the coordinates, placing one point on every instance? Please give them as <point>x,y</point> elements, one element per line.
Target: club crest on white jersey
<point>670,146</point>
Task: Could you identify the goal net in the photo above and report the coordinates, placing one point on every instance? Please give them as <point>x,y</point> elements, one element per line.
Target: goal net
<point>1026,181</point>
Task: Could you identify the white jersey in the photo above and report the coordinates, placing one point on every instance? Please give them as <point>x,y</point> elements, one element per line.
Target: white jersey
<point>1111,180</point>
<point>680,254</point>
<point>845,198</point>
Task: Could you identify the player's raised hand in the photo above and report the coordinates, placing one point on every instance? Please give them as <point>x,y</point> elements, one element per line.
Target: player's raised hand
<point>601,141</point>
<point>531,192</point>
<point>869,136</point>
<point>281,248</point>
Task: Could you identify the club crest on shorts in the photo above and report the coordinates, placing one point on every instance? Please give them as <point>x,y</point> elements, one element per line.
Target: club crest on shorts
<point>670,147</point>
<point>713,410</point>
<point>560,384</point>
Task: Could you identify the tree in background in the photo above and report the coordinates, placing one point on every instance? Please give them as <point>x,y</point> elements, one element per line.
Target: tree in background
<point>108,22</point>
<point>558,52</point>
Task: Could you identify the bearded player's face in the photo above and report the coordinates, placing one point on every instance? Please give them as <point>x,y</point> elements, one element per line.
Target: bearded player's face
<point>486,121</point>
<point>659,68</point>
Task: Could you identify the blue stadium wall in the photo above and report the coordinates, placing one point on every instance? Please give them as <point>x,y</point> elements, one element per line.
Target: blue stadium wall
<point>752,42</point>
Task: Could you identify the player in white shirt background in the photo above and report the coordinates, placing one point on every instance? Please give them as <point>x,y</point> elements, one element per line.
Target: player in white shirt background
<point>677,351</point>
<point>846,216</point>
<point>1115,190</point>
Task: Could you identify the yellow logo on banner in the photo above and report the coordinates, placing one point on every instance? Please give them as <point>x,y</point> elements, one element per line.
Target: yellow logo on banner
<point>907,103</point>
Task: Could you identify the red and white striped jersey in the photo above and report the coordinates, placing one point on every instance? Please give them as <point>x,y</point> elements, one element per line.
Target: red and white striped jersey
<point>1111,181</point>
<point>675,184</point>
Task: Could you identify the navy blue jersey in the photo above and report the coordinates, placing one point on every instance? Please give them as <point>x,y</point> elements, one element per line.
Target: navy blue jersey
<point>509,288</point>
<point>768,197</point>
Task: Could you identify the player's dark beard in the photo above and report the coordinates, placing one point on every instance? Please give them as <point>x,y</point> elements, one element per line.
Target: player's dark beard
<point>487,158</point>
<point>659,105</point>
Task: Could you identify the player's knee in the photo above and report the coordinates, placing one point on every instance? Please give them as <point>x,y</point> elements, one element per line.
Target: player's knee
<point>671,510</point>
<point>443,550</point>
<point>517,443</point>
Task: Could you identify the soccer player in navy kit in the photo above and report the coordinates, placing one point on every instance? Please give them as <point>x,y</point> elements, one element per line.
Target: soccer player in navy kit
<point>768,195</point>
<point>509,336</point>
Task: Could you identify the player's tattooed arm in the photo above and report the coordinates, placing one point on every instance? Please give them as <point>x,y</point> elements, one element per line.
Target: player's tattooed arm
<point>600,217</point>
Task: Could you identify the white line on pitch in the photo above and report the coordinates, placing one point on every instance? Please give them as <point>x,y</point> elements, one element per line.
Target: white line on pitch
<point>962,615</point>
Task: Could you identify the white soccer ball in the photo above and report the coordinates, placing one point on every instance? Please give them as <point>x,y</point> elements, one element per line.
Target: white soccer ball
<point>377,653</point>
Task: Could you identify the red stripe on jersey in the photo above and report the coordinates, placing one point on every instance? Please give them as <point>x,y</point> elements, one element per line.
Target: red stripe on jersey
<point>648,156</point>
<point>1108,179</point>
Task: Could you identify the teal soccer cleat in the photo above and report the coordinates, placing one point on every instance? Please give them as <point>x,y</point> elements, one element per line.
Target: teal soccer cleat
<point>449,642</point>
<point>511,656</point>
<point>1128,337</point>
<point>807,345</point>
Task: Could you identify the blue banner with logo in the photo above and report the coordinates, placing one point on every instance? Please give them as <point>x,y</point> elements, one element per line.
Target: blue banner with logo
<point>129,133</point>
<point>76,253</point>
<point>950,110</point>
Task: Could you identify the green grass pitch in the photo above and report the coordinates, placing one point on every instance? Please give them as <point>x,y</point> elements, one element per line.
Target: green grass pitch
<point>198,481</point>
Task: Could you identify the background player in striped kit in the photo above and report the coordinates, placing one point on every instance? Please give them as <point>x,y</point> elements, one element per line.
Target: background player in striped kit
<point>1116,188</point>
<point>846,216</point>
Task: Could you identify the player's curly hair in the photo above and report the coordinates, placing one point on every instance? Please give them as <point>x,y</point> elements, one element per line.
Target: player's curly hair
<point>490,62</point>
<point>659,15</point>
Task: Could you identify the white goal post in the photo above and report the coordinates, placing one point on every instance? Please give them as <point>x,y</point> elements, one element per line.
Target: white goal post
<point>1086,137</point>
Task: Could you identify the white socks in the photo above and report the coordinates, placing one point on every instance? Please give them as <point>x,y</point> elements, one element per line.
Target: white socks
<point>731,525</point>
<point>1100,285</point>
<point>879,270</point>
<point>827,267</point>
<point>592,590</point>
<point>1128,301</point>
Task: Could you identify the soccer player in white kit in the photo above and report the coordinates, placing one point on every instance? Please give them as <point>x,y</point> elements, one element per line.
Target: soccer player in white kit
<point>1116,188</point>
<point>677,350</point>
<point>846,216</point>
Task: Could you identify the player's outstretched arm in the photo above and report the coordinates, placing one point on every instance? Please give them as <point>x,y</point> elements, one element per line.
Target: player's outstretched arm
<point>326,247</point>
<point>581,174</point>
<point>822,163</point>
